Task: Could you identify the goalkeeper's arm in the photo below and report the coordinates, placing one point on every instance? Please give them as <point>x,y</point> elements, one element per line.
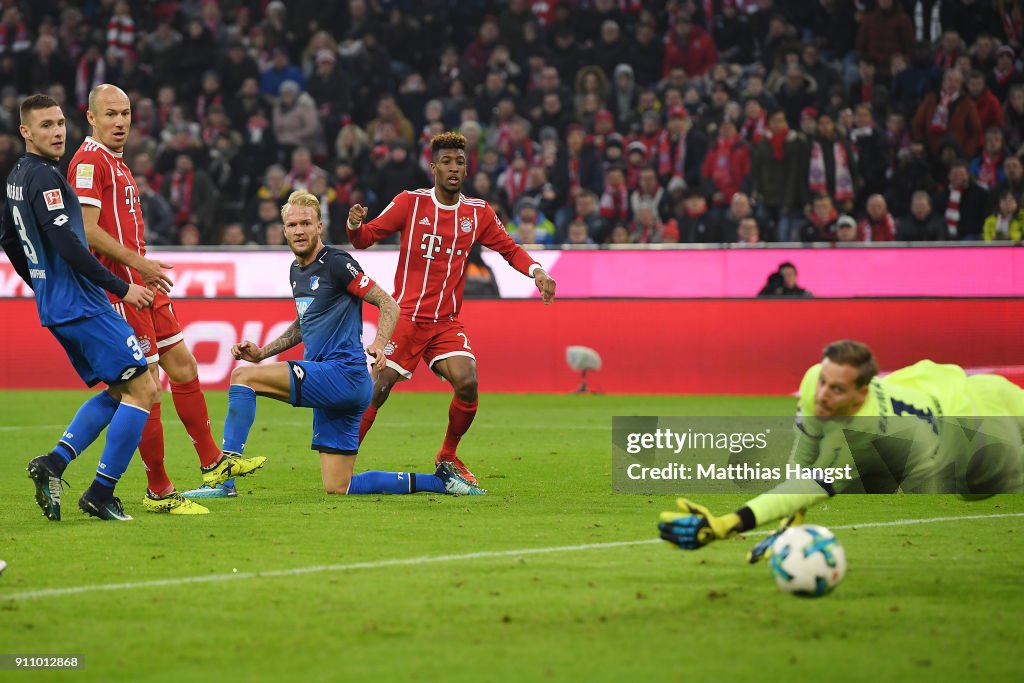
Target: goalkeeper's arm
<point>694,526</point>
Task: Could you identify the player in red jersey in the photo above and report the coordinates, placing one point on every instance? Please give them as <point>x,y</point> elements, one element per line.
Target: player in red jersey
<point>438,227</point>
<point>116,232</point>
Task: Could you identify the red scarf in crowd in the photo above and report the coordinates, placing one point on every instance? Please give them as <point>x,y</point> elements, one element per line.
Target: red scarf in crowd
<point>15,37</point>
<point>723,173</point>
<point>879,231</point>
<point>953,211</point>
<point>181,197</point>
<point>754,129</point>
<point>1003,77</point>
<point>778,142</point>
<point>944,60</point>
<point>89,75</point>
<point>988,170</point>
<point>940,118</point>
<point>615,203</point>
<point>816,176</point>
<point>822,224</point>
<point>515,183</point>
<point>574,175</point>
<point>667,164</point>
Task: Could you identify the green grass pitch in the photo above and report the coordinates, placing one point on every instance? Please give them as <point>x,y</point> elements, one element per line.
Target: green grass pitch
<point>432,588</point>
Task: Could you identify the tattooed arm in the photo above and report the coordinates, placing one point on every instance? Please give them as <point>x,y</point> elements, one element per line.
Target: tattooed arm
<point>385,324</point>
<point>247,350</point>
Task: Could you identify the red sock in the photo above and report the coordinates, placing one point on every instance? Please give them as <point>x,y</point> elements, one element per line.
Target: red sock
<point>151,448</point>
<point>191,406</point>
<point>460,417</point>
<point>368,417</point>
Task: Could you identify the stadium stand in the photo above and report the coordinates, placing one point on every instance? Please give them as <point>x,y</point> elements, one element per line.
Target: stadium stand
<point>238,102</point>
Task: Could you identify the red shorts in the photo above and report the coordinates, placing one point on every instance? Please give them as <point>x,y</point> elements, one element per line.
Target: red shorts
<point>156,327</point>
<point>430,341</point>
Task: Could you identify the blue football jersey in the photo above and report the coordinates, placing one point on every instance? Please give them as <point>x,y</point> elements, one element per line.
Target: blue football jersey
<point>330,314</point>
<point>40,200</point>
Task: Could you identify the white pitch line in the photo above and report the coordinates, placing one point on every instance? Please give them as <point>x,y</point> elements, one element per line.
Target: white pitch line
<point>434,559</point>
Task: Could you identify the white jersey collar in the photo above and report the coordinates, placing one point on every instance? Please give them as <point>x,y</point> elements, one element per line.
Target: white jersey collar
<point>106,149</point>
<point>438,204</point>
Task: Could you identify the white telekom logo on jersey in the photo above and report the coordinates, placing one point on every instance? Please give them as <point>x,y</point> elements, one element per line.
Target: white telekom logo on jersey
<point>430,243</point>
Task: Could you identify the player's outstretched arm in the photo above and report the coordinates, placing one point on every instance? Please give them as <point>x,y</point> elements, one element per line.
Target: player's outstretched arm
<point>70,247</point>
<point>247,350</point>
<point>391,220</point>
<point>545,285</point>
<point>386,323</point>
<point>696,526</point>
<point>150,270</point>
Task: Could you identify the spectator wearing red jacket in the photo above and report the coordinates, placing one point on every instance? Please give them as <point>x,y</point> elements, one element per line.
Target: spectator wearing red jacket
<point>726,165</point>
<point>690,47</point>
<point>990,111</point>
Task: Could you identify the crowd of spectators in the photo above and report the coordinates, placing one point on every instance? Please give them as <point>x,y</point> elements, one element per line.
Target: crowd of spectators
<point>588,121</point>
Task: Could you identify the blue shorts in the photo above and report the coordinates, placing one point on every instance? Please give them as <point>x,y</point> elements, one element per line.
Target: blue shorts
<point>102,348</point>
<point>338,393</point>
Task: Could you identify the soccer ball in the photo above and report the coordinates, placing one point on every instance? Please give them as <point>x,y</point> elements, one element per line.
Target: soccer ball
<point>808,561</point>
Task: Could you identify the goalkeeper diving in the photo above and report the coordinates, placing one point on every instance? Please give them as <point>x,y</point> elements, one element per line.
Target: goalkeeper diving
<point>926,428</point>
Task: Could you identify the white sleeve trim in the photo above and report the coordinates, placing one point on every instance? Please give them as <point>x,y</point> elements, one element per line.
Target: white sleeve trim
<point>534,267</point>
<point>89,201</point>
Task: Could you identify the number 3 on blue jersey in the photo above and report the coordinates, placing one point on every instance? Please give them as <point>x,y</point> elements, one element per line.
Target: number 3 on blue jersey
<point>26,244</point>
<point>133,344</point>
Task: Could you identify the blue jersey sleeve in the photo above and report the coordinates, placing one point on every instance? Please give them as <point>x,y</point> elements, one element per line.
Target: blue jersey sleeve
<point>11,244</point>
<point>344,269</point>
<point>47,191</point>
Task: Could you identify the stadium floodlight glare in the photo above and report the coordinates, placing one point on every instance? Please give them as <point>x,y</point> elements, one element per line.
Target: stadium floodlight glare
<point>582,358</point>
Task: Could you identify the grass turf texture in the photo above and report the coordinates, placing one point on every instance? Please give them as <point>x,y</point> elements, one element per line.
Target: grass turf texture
<point>926,602</point>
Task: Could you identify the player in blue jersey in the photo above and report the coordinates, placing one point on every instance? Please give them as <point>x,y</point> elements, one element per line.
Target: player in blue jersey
<point>329,288</point>
<point>44,237</point>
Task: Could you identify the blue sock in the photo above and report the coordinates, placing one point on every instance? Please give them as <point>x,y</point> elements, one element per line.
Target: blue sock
<point>394,482</point>
<point>122,439</point>
<point>91,419</point>
<point>241,415</point>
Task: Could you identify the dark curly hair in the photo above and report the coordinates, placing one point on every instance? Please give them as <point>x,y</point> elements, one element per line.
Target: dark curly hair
<point>447,140</point>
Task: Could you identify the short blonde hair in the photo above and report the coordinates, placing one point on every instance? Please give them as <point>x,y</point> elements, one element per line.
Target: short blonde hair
<point>304,199</point>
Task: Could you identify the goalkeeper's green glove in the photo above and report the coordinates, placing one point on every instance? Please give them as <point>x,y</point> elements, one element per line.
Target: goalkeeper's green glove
<point>696,527</point>
<point>764,547</point>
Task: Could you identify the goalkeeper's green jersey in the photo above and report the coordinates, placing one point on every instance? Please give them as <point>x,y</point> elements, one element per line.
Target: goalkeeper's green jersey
<point>912,406</point>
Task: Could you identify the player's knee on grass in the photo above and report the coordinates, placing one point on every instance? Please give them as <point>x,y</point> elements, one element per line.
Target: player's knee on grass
<point>336,472</point>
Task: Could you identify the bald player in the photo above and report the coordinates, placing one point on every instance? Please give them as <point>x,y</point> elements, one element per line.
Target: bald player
<point>115,229</point>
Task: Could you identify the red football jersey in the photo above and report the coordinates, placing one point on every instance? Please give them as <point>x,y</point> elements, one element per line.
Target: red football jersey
<point>100,178</point>
<point>436,240</point>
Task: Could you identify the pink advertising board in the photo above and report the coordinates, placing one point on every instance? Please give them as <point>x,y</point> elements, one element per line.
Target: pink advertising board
<point>975,271</point>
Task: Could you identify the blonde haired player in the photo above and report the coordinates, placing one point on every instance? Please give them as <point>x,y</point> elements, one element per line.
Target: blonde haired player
<point>329,287</point>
